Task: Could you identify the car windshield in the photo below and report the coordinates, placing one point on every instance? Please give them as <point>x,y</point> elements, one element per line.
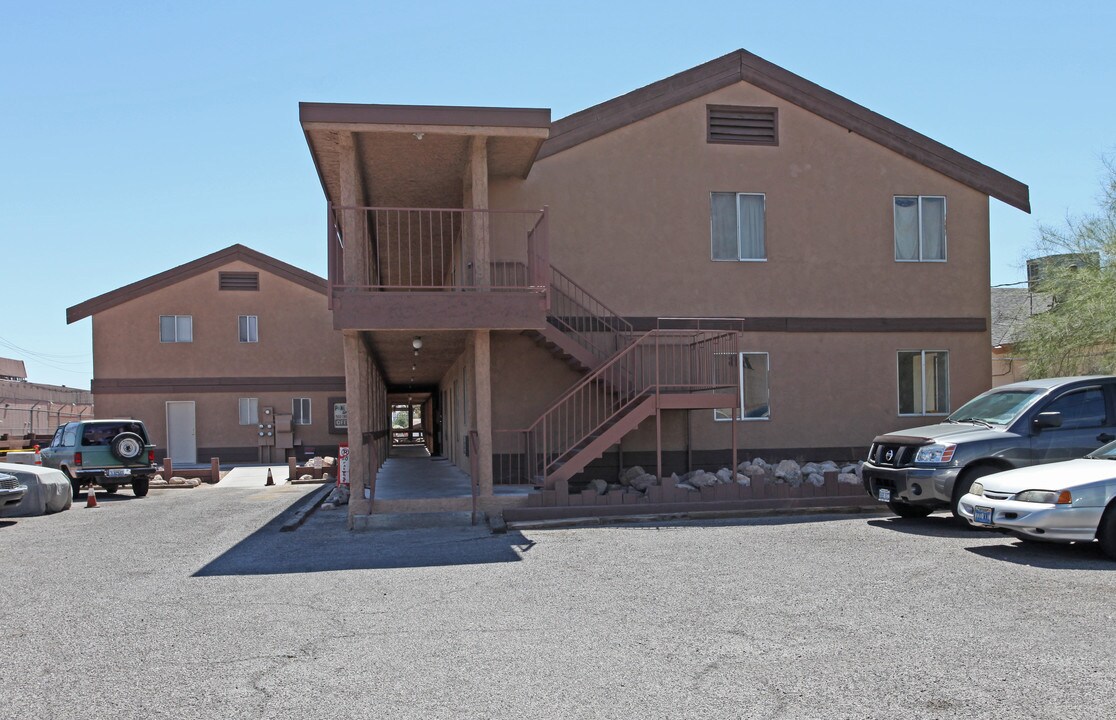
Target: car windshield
<point>998,407</point>
<point>1104,452</point>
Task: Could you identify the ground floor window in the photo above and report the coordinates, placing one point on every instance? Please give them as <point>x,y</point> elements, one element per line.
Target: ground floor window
<point>300,411</point>
<point>752,369</point>
<point>923,382</point>
<point>249,411</point>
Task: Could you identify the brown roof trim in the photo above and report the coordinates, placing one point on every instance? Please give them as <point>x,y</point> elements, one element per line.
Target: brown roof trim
<point>212,261</point>
<point>162,386</point>
<point>742,65</point>
<point>357,114</point>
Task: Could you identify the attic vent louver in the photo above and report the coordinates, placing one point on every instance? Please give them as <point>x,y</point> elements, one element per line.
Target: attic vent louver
<point>238,281</point>
<point>743,125</point>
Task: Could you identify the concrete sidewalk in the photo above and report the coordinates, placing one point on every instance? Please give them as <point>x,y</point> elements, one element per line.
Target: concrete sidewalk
<point>254,477</point>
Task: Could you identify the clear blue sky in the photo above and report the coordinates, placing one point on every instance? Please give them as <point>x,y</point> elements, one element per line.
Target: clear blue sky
<point>136,136</point>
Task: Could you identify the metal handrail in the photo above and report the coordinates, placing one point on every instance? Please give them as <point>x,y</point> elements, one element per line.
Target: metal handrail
<point>590,317</point>
<point>657,362</point>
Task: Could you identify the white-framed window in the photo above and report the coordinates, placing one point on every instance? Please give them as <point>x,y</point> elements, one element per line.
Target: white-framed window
<point>737,226</point>
<point>249,411</point>
<point>300,411</point>
<point>920,228</point>
<point>923,382</point>
<point>752,369</point>
<point>249,328</point>
<point>176,328</point>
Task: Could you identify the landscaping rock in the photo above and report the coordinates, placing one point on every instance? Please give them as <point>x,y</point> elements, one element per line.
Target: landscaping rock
<point>601,486</point>
<point>848,479</point>
<point>789,472</point>
<point>630,474</point>
<point>816,479</point>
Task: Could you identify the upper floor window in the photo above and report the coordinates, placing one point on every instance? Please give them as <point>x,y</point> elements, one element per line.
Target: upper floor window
<point>737,221</point>
<point>751,370</point>
<point>300,411</point>
<point>249,411</point>
<point>249,329</point>
<point>176,328</point>
<point>920,234</point>
<point>923,382</point>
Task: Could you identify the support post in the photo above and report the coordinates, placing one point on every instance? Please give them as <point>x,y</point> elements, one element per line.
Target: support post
<point>482,407</point>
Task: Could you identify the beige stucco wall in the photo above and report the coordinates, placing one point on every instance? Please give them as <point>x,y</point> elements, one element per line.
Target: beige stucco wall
<point>629,221</point>
<point>296,340</point>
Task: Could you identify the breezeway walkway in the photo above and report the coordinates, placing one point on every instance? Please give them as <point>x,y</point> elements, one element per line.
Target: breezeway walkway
<point>410,473</point>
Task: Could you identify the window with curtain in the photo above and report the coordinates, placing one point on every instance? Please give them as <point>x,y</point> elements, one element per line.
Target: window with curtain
<point>300,411</point>
<point>923,382</point>
<point>751,373</point>
<point>920,228</point>
<point>249,411</point>
<point>737,221</point>
<point>176,328</point>
<point>249,329</point>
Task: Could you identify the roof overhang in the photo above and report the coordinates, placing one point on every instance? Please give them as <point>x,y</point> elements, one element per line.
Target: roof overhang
<point>417,155</point>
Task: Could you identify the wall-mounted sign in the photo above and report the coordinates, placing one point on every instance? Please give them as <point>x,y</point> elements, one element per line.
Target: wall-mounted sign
<point>338,416</point>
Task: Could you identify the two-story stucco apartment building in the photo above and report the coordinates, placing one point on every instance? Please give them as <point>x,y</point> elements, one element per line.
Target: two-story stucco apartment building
<point>732,259</point>
<point>232,355</point>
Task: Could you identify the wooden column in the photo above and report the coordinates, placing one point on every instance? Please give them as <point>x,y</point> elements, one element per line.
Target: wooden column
<point>357,380</point>
<point>482,406</point>
<point>476,195</point>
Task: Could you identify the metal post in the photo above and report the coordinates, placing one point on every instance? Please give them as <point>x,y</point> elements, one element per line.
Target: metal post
<point>658,418</point>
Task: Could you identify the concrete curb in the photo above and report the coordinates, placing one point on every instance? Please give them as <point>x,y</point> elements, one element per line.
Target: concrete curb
<point>306,508</point>
<point>873,509</point>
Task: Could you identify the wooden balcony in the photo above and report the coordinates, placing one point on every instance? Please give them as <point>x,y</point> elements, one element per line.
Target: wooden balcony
<point>435,268</point>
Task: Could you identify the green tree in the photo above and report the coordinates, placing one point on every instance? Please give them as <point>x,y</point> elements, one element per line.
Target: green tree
<point>1077,336</point>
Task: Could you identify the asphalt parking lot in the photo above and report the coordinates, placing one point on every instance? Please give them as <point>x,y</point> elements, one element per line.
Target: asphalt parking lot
<point>192,604</point>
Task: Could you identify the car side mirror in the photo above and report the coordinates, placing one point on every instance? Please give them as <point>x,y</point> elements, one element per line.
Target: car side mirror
<point>1044,420</point>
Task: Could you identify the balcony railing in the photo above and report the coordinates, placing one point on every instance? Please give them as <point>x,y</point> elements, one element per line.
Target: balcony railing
<point>437,249</point>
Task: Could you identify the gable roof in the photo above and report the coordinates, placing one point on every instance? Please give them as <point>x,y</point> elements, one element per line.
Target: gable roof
<point>189,270</point>
<point>742,65</point>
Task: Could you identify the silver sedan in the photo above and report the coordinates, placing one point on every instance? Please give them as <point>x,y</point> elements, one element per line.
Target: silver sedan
<point>1069,501</point>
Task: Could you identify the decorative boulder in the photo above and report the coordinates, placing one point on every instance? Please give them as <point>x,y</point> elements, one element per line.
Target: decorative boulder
<point>810,468</point>
<point>848,479</point>
<point>743,480</point>
<point>686,486</point>
<point>601,486</point>
<point>644,481</point>
<point>327,461</point>
<point>702,479</point>
<point>724,475</point>
<point>789,472</point>
<point>829,466</point>
<point>630,474</point>
<point>816,479</point>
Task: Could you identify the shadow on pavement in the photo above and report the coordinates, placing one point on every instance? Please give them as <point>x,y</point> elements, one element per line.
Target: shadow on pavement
<point>324,545</point>
<point>933,526</point>
<point>1051,556</point>
<point>7,523</point>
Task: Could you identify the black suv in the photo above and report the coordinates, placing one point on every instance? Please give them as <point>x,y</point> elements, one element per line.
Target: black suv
<point>110,453</point>
<point>923,469</point>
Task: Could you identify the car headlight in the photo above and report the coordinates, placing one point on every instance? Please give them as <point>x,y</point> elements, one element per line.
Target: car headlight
<point>977,489</point>
<point>1048,497</point>
<point>939,453</point>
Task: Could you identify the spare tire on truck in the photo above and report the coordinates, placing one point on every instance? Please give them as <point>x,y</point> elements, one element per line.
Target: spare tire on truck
<point>127,447</point>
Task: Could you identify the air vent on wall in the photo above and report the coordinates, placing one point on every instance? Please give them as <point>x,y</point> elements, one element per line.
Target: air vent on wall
<point>743,125</point>
<point>238,281</point>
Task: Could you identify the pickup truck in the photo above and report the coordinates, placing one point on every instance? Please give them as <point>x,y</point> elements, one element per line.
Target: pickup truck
<point>109,453</point>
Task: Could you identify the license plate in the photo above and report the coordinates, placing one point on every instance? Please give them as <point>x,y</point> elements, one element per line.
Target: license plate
<point>982,515</point>
<point>123,472</point>
<point>885,495</point>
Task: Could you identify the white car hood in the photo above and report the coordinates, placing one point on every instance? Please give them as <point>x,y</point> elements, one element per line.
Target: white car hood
<point>1055,476</point>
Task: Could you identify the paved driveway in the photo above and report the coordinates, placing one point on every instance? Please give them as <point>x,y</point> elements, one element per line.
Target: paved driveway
<point>190,604</point>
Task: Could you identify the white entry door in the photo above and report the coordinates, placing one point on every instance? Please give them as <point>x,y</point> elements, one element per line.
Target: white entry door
<point>182,441</point>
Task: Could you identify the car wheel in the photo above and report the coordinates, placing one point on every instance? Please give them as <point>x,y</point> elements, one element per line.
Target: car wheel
<point>127,446</point>
<point>964,484</point>
<point>110,488</point>
<point>139,486</point>
<point>1106,531</point>
<point>906,510</point>
<point>74,483</point>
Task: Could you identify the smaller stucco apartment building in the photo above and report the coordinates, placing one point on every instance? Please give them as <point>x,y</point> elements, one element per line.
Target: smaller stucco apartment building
<point>730,261</point>
<point>213,352</point>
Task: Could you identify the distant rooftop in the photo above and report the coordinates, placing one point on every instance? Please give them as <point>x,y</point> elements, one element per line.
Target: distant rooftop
<point>1010,309</point>
<point>12,369</point>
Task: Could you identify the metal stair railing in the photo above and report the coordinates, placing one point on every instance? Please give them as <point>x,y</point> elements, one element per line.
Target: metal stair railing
<point>656,363</point>
<point>585,319</point>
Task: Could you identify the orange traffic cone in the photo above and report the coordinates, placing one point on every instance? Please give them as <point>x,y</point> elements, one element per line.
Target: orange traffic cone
<point>91,498</point>
<point>270,481</point>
